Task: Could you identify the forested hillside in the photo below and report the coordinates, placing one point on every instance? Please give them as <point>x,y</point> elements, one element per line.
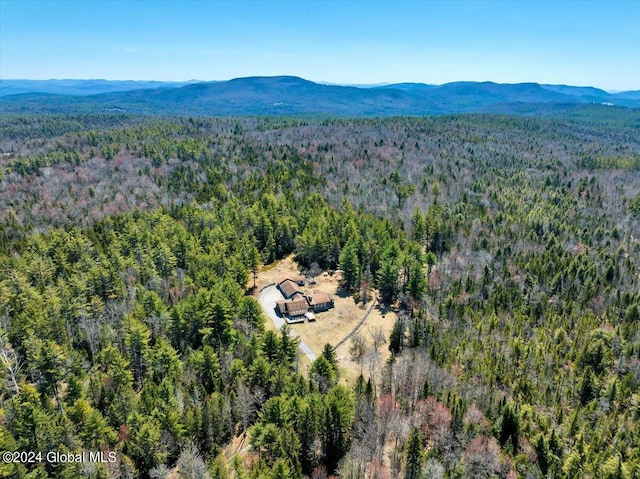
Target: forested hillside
<point>508,246</point>
<point>293,96</point>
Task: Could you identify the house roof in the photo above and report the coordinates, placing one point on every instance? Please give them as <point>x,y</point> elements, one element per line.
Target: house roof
<point>289,288</point>
<point>319,297</point>
<point>295,306</point>
<point>282,307</point>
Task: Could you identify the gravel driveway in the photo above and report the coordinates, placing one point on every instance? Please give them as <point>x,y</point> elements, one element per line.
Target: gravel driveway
<point>268,298</point>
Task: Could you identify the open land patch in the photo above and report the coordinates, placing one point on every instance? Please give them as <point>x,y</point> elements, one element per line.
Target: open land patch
<point>334,325</point>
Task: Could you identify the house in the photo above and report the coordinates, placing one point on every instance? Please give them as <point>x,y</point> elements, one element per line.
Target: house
<point>297,306</point>
<point>294,306</point>
<point>319,301</point>
<point>289,288</point>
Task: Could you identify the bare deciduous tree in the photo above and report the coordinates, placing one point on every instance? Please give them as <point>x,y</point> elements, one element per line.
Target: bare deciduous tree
<point>358,347</point>
<point>190,464</point>
<point>482,457</point>
<point>10,363</point>
<point>378,337</point>
<point>320,472</point>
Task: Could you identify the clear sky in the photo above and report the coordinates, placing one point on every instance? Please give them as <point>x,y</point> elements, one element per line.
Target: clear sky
<point>573,42</point>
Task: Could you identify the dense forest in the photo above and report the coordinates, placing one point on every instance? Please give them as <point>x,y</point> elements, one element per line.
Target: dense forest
<point>509,247</point>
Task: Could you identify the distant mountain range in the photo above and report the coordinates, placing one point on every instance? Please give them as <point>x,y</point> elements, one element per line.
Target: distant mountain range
<point>288,95</point>
<point>82,87</point>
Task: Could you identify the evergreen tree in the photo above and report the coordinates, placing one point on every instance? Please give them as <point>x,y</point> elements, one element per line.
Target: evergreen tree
<point>323,374</point>
<point>510,428</point>
<point>336,427</point>
<point>396,340</point>
<point>329,353</point>
<point>288,345</point>
<point>413,467</point>
<point>388,279</point>
<point>588,388</point>
<point>350,265</point>
<point>542,453</point>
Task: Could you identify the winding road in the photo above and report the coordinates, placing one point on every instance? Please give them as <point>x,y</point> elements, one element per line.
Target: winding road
<point>268,298</point>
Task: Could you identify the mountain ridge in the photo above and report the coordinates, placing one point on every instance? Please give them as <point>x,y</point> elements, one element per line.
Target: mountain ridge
<point>292,95</point>
<point>75,87</point>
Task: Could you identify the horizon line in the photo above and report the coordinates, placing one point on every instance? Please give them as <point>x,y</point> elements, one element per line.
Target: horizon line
<point>321,82</point>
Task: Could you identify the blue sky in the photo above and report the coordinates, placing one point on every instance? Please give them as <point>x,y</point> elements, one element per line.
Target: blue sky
<point>573,42</point>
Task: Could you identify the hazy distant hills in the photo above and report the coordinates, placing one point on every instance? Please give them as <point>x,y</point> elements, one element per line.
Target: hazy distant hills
<point>287,95</point>
<point>408,86</point>
<point>81,87</point>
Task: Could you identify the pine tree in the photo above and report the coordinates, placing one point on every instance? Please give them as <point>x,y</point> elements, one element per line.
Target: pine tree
<point>417,284</point>
<point>350,265</point>
<point>542,452</point>
<point>588,388</point>
<point>510,428</point>
<point>413,468</point>
<point>288,345</point>
<point>323,374</point>
<point>388,279</point>
<point>329,353</point>
<point>396,340</point>
<point>338,418</point>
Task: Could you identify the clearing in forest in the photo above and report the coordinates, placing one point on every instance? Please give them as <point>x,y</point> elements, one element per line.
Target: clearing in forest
<point>336,324</point>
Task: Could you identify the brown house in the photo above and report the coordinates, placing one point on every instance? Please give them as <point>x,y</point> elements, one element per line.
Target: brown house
<point>319,301</point>
<point>289,288</point>
<point>295,306</point>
